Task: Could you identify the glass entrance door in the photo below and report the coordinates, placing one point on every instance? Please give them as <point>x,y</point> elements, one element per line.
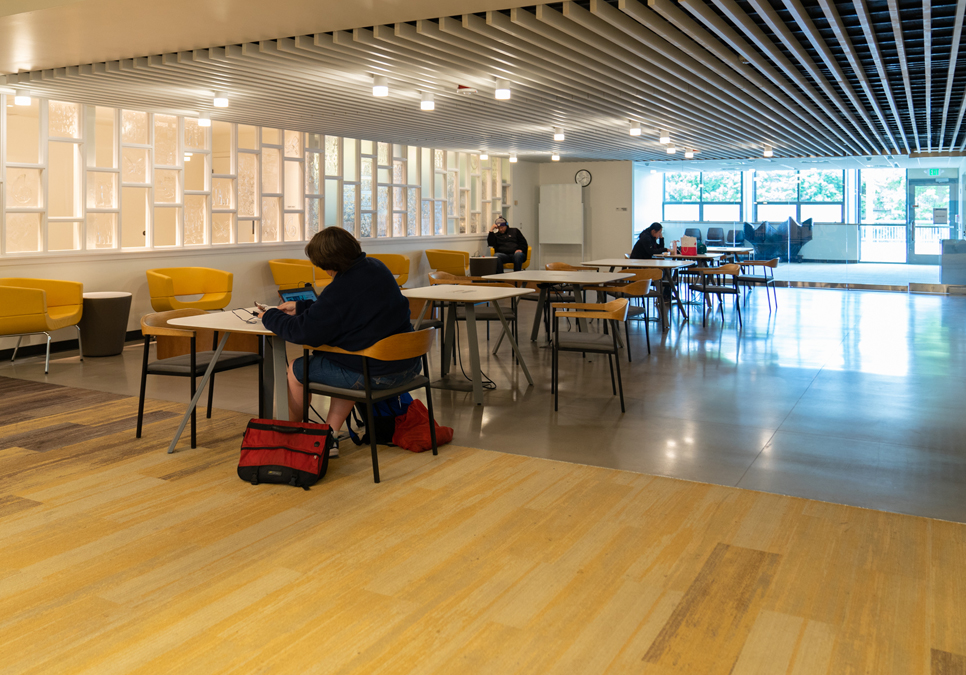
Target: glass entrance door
<point>929,221</point>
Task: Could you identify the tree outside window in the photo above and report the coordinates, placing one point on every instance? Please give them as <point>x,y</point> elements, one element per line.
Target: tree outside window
<point>712,196</point>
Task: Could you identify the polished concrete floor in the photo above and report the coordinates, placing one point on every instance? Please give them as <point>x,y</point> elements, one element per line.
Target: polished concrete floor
<point>850,397</point>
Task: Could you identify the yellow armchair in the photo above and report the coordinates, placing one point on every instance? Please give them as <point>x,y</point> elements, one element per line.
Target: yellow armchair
<point>296,272</point>
<point>37,306</point>
<point>397,264</point>
<point>166,283</point>
<point>526,263</point>
<point>453,262</point>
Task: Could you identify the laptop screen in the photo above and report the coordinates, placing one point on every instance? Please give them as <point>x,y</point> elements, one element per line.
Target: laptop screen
<point>294,294</point>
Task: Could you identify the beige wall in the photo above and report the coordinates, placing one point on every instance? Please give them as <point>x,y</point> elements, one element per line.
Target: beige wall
<point>525,178</point>
<point>252,278</point>
<point>608,210</point>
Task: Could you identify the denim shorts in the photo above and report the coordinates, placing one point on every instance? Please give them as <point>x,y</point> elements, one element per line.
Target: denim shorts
<point>327,372</point>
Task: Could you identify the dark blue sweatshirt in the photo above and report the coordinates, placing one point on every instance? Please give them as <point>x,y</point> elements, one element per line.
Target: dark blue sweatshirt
<point>357,309</point>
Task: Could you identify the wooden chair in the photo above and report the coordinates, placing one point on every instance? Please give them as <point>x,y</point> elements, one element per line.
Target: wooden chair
<point>165,284</point>
<point>766,278</point>
<point>639,288</point>
<point>393,348</point>
<point>38,306</point>
<point>597,343</point>
<point>453,262</point>
<point>709,283</point>
<point>192,365</point>
<point>397,264</point>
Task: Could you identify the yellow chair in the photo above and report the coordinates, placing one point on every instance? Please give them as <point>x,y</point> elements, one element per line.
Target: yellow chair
<point>509,265</point>
<point>453,262</point>
<point>397,264</point>
<point>296,272</point>
<point>35,306</point>
<point>166,283</point>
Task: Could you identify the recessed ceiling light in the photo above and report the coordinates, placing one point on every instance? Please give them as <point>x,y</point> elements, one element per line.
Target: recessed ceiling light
<point>22,97</point>
<point>221,100</point>
<point>513,158</point>
<point>502,90</point>
<point>427,102</point>
<point>204,120</point>
<point>558,133</point>
<point>635,128</point>
<point>380,85</point>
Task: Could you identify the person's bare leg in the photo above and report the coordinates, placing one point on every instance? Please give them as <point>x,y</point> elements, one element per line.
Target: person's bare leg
<point>294,396</point>
<point>339,409</point>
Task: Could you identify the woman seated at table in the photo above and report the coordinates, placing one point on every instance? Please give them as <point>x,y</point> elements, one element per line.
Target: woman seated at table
<point>361,306</point>
<point>649,243</point>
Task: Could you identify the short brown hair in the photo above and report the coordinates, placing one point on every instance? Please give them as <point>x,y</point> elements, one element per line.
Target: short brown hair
<point>333,249</point>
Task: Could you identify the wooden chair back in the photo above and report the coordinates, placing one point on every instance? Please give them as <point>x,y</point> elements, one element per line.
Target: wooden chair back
<point>567,267</point>
<point>393,348</point>
<point>773,263</point>
<point>437,278</point>
<point>732,269</point>
<point>615,310</point>
<point>651,274</point>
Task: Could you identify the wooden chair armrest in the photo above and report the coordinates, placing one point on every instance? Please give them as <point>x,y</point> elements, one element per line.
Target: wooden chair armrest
<point>574,305</point>
<point>584,315</point>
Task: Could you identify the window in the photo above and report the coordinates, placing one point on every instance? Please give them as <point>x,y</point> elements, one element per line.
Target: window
<point>882,215</point>
<point>709,196</point>
<point>815,194</point>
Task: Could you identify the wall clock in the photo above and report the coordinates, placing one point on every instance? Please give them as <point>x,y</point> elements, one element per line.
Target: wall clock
<point>583,178</point>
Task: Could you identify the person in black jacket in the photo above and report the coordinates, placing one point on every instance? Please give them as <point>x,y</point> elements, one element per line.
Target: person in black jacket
<point>649,243</point>
<point>508,243</point>
<point>361,306</point>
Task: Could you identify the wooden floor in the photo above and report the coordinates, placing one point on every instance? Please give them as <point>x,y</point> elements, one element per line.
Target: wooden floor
<point>118,558</point>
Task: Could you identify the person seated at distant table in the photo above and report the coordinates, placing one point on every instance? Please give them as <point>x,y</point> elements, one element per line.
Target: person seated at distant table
<point>361,306</point>
<point>649,243</point>
<point>509,244</point>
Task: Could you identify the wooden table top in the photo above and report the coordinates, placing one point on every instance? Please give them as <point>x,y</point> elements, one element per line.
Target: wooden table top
<point>226,321</point>
<point>464,293</point>
<point>578,277</point>
<point>632,262</point>
<point>696,256</point>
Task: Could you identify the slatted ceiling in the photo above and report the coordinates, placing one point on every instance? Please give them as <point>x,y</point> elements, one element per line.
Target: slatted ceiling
<point>833,78</point>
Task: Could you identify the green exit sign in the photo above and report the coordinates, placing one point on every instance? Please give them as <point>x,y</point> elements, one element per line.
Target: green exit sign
<point>935,172</point>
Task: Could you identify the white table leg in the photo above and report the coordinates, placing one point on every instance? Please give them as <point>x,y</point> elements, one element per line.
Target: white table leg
<point>474,345</point>
<point>513,342</point>
<point>280,376</point>
<point>539,316</point>
<point>198,392</point>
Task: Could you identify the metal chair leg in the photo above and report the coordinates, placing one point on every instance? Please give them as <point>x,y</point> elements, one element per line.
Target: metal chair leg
<point>47,361</point>
<point>620,384</point>
<point>144,383</point>
<point>19,339</point>
<point>80,343</point>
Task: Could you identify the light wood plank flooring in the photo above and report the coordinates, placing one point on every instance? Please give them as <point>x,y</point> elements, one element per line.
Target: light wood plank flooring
<point>118,558</point>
